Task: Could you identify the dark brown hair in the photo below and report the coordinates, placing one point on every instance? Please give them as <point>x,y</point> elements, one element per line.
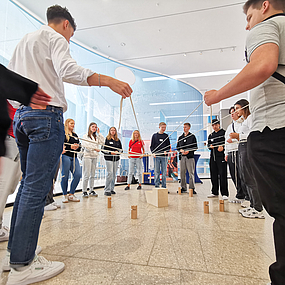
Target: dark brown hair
<point>56,13</point>
<point>256,4</point>
<point>90,134</point>
<point>245,106</point>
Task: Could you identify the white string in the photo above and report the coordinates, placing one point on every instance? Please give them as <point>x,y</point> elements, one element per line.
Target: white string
<point>178,127</point>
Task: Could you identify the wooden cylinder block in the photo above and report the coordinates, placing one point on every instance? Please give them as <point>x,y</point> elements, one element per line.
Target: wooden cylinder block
<point>109,202</point>
<point>134,212</point>
<point>222,206</point>
<point>206,207</point>
<point>179,190</point>
<point>190,192</point>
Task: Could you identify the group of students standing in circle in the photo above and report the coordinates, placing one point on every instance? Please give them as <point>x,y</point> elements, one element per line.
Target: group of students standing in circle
<point>93,143</point>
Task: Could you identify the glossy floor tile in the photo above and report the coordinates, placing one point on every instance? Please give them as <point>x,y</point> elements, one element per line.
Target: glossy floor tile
<point>178,244</point>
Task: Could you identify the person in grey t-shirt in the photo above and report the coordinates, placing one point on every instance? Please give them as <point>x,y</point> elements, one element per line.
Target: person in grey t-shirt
<point>264,73</point>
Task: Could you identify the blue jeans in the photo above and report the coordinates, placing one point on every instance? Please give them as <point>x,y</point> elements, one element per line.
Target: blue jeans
<point>112,167</point>
<point>70,164</point>
<point>160,164</point>
<point>39,136</point>
<point>135,162</point>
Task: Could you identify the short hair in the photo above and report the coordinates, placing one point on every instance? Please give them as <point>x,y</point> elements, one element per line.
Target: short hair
<point>231,108</point>
<point>215,122</point>
<point>162,124</point>
<point>187,124</point>
<point>56,13</point>
<point>257,4</point>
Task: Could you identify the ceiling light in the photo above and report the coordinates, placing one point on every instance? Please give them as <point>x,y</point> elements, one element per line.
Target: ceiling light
<point>184,54</point>
<point>123,44</point>
<point>176,102</point>
<point>194,75</point>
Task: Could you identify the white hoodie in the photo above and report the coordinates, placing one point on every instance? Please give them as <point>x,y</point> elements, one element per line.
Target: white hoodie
<point>90,144</point>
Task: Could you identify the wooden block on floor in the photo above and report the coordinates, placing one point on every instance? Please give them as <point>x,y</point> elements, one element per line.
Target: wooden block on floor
<point>206,207</point>
<point>158,197</point>
<point>179,190</point>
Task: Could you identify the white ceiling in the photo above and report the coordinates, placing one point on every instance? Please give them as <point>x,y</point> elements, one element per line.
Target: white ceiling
<point>165,36</point>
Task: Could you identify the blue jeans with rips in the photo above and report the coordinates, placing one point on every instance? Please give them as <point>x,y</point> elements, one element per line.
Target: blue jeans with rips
<point>160,163</point>
<point>135,162</point>
<point>70,164</point>
<point>39,136</point>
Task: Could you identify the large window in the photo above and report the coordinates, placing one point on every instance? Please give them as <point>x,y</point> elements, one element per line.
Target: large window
<point>101,105</point>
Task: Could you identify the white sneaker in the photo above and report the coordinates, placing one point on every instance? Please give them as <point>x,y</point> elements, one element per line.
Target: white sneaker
<point>225,197</point>
<point>245,210</point>
<point>57,205</point>
<point>254,214</point>
<point>245,204</point>
<point>4,233</point>
<point>50,207</point>
<point>6,260</point>
<point>73,198</point>
<point>64,199</point>
<point>39,270</point>
<point>212,196</point>
<point>236,200</point>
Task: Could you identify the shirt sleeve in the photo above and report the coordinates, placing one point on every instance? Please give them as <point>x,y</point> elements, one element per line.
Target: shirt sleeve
<point>262,33</point>
<point>65,66</point>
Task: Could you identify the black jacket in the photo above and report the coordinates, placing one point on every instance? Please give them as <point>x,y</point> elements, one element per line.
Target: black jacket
<point>72,140</point>
<point>216,139</point>
<point>15,87</point>
<point>160,143</point>
<point>114,146</point>
<point>188,142</point>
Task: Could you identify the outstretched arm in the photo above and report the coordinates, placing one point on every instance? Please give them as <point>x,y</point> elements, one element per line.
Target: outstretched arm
<point>120,87</point>
<point>263,63</point>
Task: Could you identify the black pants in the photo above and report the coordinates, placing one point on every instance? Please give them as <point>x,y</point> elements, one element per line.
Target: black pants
<point>49,198</point>
<point>267,155</point>
<point>248,177</point>
<point>218,171</point>
<point>233,163</point>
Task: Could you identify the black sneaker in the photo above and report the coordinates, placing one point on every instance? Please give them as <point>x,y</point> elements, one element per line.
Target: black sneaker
<point>139,187</point>
<point>183,190</point>
<point>127,188</point>
<point>85,195</point>
<point>113,192</point>
<point>107,193</point>
<point>93,193</point>
<point>194,192</point>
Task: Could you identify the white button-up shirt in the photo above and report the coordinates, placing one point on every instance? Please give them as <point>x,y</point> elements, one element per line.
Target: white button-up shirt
<point>44,57</point>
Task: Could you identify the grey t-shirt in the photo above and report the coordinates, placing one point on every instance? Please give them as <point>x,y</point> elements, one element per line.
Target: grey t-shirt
<point>267,101</point>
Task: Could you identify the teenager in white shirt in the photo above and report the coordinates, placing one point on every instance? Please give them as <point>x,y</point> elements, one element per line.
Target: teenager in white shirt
<point>232,157</point>
<point>43,56</point>
<point>92,142</point>
<point>255,208</point>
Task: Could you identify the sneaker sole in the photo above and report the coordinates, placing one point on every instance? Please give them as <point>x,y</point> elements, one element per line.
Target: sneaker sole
<point>39,278</point>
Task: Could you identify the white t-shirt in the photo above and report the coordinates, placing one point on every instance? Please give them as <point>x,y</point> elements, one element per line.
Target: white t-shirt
<point>229,147</point>
<point>267,102</point>
<point>43,56</point>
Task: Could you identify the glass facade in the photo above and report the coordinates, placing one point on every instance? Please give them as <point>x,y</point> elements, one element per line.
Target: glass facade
<point>101,105</point>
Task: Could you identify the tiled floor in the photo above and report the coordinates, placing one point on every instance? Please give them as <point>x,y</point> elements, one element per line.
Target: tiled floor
<point>174,245</point>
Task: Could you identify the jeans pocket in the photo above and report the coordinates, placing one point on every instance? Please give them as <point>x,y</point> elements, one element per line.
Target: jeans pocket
<point>36,128</point>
